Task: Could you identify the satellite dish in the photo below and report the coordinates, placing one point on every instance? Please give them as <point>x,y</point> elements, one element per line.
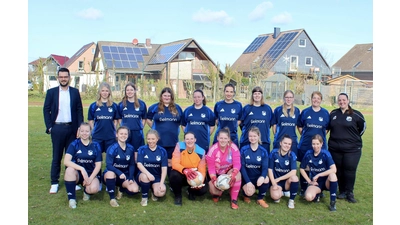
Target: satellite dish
<point>135,41</point>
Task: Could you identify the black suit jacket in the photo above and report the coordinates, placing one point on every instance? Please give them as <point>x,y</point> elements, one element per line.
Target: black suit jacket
<point>50,108</point>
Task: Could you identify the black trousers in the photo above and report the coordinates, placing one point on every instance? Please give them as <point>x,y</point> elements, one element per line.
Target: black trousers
<point>346,165</point>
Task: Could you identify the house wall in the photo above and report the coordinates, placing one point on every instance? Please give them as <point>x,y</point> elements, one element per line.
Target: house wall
<point>87,58</point>
<point>302,52</point>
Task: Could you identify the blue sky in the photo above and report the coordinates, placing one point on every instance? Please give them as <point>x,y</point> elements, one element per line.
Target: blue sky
<point>222,28</point>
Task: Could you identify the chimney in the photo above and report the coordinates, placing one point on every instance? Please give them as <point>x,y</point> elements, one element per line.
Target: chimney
<point>277,31</point>
<point>148,43</point>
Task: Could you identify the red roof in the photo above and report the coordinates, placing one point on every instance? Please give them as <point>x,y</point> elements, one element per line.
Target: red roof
<point>60,59</point>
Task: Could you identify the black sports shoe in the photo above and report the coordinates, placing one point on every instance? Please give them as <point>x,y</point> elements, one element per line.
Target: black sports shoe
<point>332,206</point>
<point>191,196</point>
<point>316,199</point>
<point>178,201</point>
<point>342,195</point>
<point>350,197</point>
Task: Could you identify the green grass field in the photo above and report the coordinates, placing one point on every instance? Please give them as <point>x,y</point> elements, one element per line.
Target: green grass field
<point>44,208</point>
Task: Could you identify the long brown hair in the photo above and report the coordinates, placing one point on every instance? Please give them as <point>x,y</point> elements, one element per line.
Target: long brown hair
<point>257,89</point>
<point>125,98</point>
<point>171,106</point>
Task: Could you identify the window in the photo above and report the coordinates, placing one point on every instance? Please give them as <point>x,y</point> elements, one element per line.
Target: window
<point>93,50</point>
<point>186,55</point>
<point>302,42</point>
<point>294,62</point>
<point>80,65</point>
<point>52,78</point>
<point>308,61</point>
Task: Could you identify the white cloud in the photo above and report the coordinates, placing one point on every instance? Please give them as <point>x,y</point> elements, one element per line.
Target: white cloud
<point>283,18</point>
<point>227,44</point>
<point>260,11</point>
<point>207,16</point>
<point>91,14</point>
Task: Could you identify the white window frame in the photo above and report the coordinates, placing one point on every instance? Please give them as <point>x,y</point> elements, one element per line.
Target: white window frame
<point>293,63</point>
<point>311,61</point>
<point>184,55</point>
<point>305,42</point>
<point>81,65</point>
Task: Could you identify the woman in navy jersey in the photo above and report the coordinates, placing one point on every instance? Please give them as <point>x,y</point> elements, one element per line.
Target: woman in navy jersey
<point>227,113</point>
<point>258,114</point>
<point>254,160</point>
<point>120,167</point>
<point>347,126</point>
<point>200,120</point>
<point>165,117</point>
<point>313,120</point>
<point>83,163</point>
<point>285,120</point>
<point>282,169</point>
<point>152,162</point>
<point>321,174</point>
<point>103,117</point>
<point>133,113</point>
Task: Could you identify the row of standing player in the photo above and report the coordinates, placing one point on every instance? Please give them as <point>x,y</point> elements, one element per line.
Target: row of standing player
<point>166,117</point>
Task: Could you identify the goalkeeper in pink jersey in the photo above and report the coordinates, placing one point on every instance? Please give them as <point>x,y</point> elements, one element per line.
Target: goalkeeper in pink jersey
<point>224,158</point>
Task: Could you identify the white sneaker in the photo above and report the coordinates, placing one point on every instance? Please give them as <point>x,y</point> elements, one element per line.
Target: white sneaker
<point>86,197</point>
<point>72,203</point>
<point>114,203</point>
<point>153,197</point>
<point>54,188</point>
<point>77,188</point>
<point>144,202</point>
<point>286,194</point>
<point>291,204</point>
<point>119,195</point>
<point>100,187</point>
<point>277,201</point>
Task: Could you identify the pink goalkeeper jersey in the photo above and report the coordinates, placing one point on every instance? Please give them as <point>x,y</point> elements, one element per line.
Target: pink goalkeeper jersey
<point>219,162</point>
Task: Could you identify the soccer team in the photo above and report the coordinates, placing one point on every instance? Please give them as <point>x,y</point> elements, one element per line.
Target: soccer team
<point>132,166</point>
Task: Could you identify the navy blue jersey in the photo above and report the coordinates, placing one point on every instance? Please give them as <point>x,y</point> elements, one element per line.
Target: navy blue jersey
<point>85,156</point>
<point>103,117</point>
<point>285,125</point>
<point>153,161</point>
<point>258,116</point>
<point>228,115</point>
<point>167,125</point>
<point>317,164</point>
<point>281,165</point>
<point>199,122</point>
<point>312,123</point>
<point>132,117</point>
<point>254,163</point>
<point>121,161</point>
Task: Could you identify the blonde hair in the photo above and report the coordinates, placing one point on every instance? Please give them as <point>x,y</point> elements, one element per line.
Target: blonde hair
<point>257,131</point>
<point>99,103</point>
<point>284,106</point>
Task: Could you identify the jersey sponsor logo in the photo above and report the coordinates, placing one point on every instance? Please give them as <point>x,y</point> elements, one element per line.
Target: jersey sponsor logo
<point>197,123</point>
<point>251,166</point>
<point>225,118</point>
<point>349,118</point>
<point>110,109</point>
<point>257,121</point>
<point>168,119</point>
<point>314,125</point>
<point>122,166</point>
<point>233,111</point>
<point>321,119</point>
<point>203,115</point>
<point>151,165</point>
<point>85,160</point>
<point>258,158</point>
<point>131,116</point>
<point>318,170</point>
<point>281,170</point>
<point>104,117</point>
<point>286,124</point>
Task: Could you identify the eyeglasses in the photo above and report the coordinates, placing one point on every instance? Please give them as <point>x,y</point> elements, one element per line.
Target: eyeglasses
<point>61,77</point>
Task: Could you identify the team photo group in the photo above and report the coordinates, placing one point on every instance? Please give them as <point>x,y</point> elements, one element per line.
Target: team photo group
<point>224,148</point>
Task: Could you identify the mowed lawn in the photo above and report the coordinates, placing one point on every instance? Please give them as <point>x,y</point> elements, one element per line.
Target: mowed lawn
<point>44,208</point>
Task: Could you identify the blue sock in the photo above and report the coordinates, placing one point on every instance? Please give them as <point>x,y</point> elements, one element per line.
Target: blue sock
<point>145,189</point>
<point>303,184</point>
<point>333,189</point>
<point>294,186</point>
<point>110,184</point>
<point>70,187</point>
<point>262,190</point>
<point>129,192</point>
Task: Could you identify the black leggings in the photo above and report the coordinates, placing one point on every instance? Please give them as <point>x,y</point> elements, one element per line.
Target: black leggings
<point>346,164</point>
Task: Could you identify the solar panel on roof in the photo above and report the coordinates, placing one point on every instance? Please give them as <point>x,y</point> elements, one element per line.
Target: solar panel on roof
<point>123,57</point>
<point>278,47</point>
<point>166,53</point>
<point>257,42</point>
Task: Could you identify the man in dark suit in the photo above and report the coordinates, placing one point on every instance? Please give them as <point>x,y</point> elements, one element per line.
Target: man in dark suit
<point>63,114</point>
